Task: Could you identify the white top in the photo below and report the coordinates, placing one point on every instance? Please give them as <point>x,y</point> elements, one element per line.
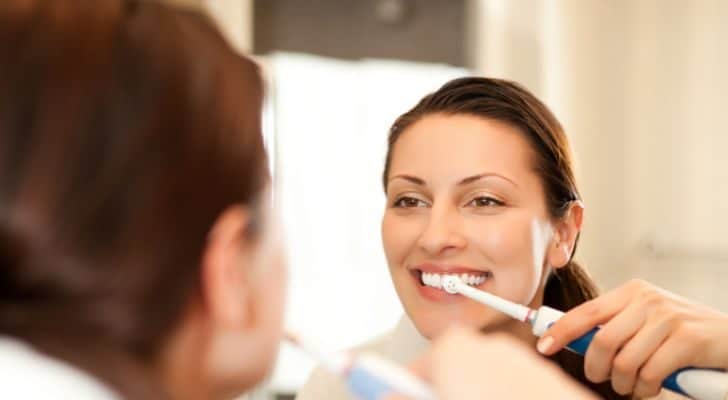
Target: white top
<point>402,345</point>
<point>28,374</point>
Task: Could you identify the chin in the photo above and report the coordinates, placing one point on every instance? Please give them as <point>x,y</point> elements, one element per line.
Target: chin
<point>432,323</point>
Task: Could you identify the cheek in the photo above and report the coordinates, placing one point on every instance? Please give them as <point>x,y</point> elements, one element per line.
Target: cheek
<point>399,236</point>
<point>506,244</point>
<point>273,278</point>
<point>275,285</point>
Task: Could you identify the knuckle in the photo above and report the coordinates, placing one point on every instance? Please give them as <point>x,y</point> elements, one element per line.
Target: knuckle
<point>603,343</point>
<point>644,391</point>
<point>652,301</point>
<point>667,319</point>
<point>624,366</point>
<point>594,374</point>
<point>591,310</point>
<point>621,387</point>
<point>688,333</point>
<point>637,284</point>
<point>649,378</point>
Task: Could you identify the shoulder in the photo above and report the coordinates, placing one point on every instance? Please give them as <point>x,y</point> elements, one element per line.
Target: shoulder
<point>28,374</point>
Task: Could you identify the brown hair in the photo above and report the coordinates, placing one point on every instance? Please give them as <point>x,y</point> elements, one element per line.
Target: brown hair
<point>126,128</point>
<point>509,102</point>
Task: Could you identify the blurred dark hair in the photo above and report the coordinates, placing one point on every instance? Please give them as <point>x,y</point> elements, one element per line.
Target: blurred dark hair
<point>510,103</point>
<point>126,128</point>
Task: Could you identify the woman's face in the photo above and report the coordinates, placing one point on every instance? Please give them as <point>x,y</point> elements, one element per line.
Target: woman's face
<point>462,195</point>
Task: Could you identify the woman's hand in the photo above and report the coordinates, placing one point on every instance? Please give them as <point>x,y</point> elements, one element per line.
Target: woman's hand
<point>646,334</point>
<point>465,365</point>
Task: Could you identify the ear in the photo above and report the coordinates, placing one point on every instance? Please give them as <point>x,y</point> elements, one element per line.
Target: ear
<point>225,283</point>
<point>566,231</point>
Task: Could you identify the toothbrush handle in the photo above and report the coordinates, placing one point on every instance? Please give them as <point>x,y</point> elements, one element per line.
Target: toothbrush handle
<point>366,386</point>
<point>580,344</point>
<point>371,377</point>
<point>696,383</point>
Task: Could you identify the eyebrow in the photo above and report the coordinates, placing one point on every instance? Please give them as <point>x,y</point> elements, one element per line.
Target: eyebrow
<point>410,178</point>
<point>478,177</point>
<point>462,182</point>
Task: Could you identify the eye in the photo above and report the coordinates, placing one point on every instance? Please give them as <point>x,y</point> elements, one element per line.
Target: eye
<point>485,201</point>
<point>409,202</point>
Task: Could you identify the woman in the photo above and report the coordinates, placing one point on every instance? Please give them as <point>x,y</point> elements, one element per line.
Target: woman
<point>135,252</point>
<point>467,171</point>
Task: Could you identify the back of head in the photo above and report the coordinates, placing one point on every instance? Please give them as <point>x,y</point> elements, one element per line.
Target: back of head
<point>126,128</point>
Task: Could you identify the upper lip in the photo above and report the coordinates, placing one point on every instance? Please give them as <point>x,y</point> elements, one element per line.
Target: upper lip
<point>448,269</point>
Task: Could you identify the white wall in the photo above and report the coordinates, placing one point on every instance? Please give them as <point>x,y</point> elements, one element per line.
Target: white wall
<point>640,88</point>
<point>236,21</point>
<point>331,119</point>
<point>234,17</point>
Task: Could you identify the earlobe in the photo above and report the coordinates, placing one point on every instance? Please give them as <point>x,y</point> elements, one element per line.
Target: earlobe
<point>558,254</point>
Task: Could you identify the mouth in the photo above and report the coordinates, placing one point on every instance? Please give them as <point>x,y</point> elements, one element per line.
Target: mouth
<point>429,279</point>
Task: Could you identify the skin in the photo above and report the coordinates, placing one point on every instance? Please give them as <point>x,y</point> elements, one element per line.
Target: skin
<point>462,191</point>
<point>228,338</point>
<point>646,334</point>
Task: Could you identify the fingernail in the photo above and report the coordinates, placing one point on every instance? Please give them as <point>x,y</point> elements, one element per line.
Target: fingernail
<point>544,344</point>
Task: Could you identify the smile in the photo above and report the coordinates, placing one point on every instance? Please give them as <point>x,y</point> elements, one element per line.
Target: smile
<point>435,280</point>
<point>428,280</point>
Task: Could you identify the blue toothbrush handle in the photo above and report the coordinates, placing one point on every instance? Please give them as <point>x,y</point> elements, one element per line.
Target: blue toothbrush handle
<point>366,386</point>
<point>712,382</point>
<point>580,345</point>
<point>371,377</point>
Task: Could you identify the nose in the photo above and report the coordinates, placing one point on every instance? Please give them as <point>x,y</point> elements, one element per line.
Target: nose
<point>442,233</point>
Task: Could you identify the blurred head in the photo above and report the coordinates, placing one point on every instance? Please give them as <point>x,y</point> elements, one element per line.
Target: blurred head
<point>135,238</point>
<point>468,170</point>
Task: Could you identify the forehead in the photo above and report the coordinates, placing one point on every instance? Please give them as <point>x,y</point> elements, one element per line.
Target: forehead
<point>461,145</point>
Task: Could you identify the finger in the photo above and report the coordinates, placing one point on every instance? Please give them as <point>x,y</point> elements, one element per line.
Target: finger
<point>635,353</point>
<point>581,319</point>
<point>393,396</point>
<point>609,339</point>
<point>672,354</point>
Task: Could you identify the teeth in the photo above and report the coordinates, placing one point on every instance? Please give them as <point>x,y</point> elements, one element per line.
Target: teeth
<point>435,280</point>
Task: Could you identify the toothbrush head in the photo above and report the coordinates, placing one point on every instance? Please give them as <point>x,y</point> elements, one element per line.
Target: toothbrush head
<point>450,284</point>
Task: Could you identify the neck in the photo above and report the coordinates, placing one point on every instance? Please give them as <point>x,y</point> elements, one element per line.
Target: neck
<point>181,366</point>
<point>518,329</point>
